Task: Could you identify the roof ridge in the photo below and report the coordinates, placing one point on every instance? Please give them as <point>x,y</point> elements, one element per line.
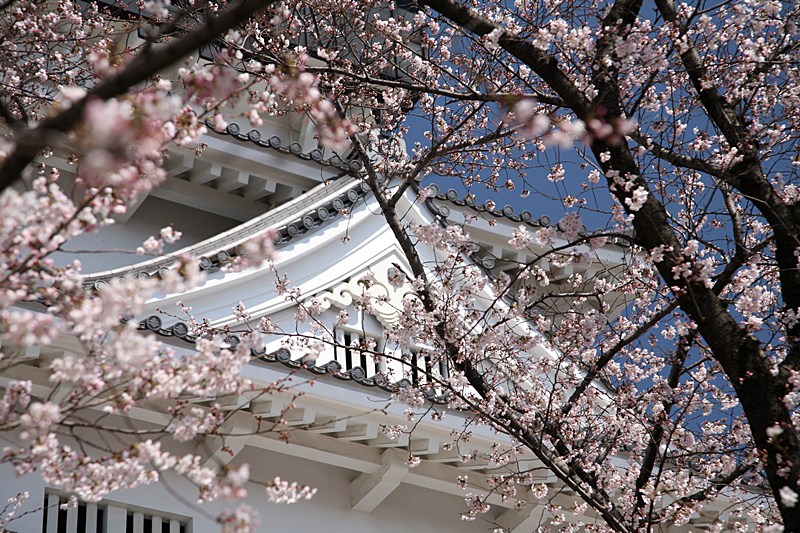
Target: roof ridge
<point>507,211</point>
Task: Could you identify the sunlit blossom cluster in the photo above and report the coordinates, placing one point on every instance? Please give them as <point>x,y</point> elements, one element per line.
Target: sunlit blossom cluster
<point>630,383</point>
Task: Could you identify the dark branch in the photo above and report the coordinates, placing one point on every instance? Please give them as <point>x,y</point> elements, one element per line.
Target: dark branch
<point>31,142</point>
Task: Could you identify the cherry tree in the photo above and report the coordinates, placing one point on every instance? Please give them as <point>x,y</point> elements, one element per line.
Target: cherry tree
<point>681,117</point>
<point>705,181</point>
<point>668,130</point>
<point>76,80</point>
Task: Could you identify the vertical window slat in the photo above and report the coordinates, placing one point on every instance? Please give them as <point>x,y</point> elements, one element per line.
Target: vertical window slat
<point>138,522</point>
<point>116,519</point>
<point>51,520</point>
<point>91,518</point>
<point>72,520</point>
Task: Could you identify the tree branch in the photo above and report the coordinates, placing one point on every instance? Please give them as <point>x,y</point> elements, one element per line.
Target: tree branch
<point>31,142</point>
<point>683,161</point>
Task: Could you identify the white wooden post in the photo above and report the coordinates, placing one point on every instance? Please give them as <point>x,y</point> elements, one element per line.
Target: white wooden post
<point>52,513</point>
<point>138,523</point>
<point>91,518</point>
<point>116,519</point>
<point>72,520</point>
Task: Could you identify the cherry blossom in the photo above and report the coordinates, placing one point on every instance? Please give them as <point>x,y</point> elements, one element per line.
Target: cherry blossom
<point>648,388</point>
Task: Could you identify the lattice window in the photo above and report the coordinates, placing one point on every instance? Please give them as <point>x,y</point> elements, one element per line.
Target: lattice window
<point>415,364</point>
<point>105,517</point>
<point>422,369</point>
<point>349,356</point>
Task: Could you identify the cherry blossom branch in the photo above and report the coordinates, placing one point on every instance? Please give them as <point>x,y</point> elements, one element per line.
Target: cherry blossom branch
<point>679,160</point>
<point>597,498</point>
<point>747,175</point>
<point>608,356</point>
<point>739,353</point>
<point>652,451</point>
<point>31,142</point>
<point>543,64</point>
<point>472,96</point>
<point>718,483</point>
<point>439,151</point>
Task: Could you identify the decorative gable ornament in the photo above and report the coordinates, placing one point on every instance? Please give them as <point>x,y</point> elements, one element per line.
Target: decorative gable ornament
<point>381,286</point>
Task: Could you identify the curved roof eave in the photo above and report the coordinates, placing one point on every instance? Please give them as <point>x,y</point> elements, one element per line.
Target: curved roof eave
<point>294,218</point>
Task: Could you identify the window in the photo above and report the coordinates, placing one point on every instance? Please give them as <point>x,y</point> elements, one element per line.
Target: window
<point>105,517</point>
<point>354,349</point>
<point>349,356</point>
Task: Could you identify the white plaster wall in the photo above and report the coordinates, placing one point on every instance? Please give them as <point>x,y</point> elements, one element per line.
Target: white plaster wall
<point>152,215</point>
<point>408,509</point>
<point>30,514</point>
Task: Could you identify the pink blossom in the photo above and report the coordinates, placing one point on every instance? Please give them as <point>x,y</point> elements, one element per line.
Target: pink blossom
<point>280,491</point>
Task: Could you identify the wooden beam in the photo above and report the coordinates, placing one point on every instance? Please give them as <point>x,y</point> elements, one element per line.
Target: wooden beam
<point>322,449</point>
<point>208,199</point>
<point>131,208</point>
<point>232,180</point>
<point>52,513</point>
<point>258,188</point>
<point>176,164</point>
<point>115,519</point>
<point>525,519</point>
<point>369,490</point>
<point>328,424</point>
<point>357,431</point>
<point>204,171</point>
